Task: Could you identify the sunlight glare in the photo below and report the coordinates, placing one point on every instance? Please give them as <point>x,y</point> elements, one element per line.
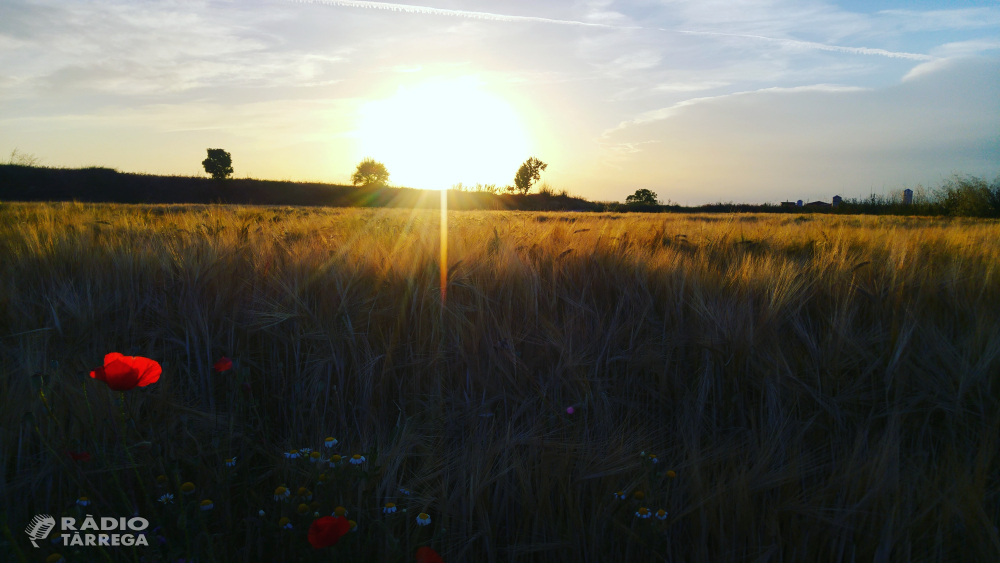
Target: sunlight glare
<point>437,134</point>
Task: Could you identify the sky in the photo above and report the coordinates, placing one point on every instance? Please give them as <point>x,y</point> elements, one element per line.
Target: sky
<point>698,100</point>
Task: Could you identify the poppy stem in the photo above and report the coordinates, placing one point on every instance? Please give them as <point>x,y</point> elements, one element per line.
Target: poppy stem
<point>128,453</point>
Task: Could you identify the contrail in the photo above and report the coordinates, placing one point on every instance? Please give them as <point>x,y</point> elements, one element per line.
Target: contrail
<point>409,8</point>
<point>813,45</point>
<point>454,13</point>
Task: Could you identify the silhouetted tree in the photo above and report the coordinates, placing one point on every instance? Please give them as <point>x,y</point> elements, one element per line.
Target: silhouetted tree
<point>219,164</point>
<point>528,173</point>
<point>370,172</point>
<point>642,197</point>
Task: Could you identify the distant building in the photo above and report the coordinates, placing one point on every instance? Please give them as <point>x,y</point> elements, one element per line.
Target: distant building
<point>836,200</point>
<point>788,204</point>
<point>818,204</point>
<point>799,203</point>
<point>907,196</point>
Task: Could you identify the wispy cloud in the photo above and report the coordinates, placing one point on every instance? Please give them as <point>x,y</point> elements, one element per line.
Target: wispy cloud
<point>664,113</point>
<point>411,9</point>
<point>490,16</point>
<point>795,43</point>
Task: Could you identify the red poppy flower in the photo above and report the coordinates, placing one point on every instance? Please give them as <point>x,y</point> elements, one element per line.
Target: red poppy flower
<point>223,364</point>
<point>326,531</point>
<point>122,373</point>
<point>79,456</point>
<point>428,555</point>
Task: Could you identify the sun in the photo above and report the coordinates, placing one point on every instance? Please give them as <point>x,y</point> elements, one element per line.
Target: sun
<point>440,133</point>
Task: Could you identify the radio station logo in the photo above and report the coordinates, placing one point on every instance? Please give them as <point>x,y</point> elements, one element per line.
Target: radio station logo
<point>106,531</point>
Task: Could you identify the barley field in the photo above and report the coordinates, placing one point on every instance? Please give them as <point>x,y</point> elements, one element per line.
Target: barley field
<point>784,388</point>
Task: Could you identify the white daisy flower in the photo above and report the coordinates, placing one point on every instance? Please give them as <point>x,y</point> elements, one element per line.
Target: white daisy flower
<point>661,514</point>
<point>423,519</point>
<point>294,454</point>
<point>643,513</point>
<point>406,492</point>
<point>166,499</point>
<point>620,495</point>
<point>206,505</point>
<point>389,508</point>
<point>357,459</point>
<point>330,442</point>
<point>231,462</point>
<point>83,501</point>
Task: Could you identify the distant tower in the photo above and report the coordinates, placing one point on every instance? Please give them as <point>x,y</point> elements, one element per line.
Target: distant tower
<point>907,196</point>
<point>836,200</point>
<point>798,203</point>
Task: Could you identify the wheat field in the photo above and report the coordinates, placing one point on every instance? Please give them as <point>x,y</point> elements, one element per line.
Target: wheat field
<point>819,388</point>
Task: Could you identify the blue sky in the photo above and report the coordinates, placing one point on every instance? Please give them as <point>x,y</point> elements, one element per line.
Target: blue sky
<point>700,101</point>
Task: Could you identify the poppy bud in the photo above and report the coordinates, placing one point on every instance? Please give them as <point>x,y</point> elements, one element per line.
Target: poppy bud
<point>246,389</point>
<point>144,446</point>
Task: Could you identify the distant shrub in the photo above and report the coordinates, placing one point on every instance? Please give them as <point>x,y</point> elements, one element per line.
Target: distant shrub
<point>527,174</point>
<point>219,164</point>
<point>370,172</point>
<point>18,158</point>
<point>971,197</point>
<point>642,197</point>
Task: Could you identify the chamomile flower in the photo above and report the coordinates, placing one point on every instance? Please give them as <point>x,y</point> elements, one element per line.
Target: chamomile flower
<point>406,492</point>
<point>314,506</point>
<point>187,488</point>
<point>423,519</point>
<point>54,558</point>
<point>206,505</point>
<point>389,508</point>
<point>161,481</point>
<point>638,495</point>
<point>83,501</point>
<point>653,459</point>
<point>330,442</point>
<point>661,514</point>
<point>305,451</point>
<point>357,459</point>
<point>334,460</point>
<point>671,474</point>
<point>303,508</point>
<point>231,462</point>
<point>166,499</point>
<point>620,495</point>
<point>314,457</point>
<point>285,523</point>
<point>643,513</point>
<point>294,454</point>
<point>305,493</point>
<point>340,511</point>
<point>353,525</point>
<point>322,479</point>
<point>281,493</point>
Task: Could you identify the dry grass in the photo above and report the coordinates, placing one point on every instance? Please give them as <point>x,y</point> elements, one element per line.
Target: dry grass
<point>826,388</point>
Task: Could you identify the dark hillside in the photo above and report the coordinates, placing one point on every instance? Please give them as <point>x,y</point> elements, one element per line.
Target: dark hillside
<point>104,185</point>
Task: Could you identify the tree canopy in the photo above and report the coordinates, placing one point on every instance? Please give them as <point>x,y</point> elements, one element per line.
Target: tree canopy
<point>529,173</point>
<point>219,164</point>
<point>370,172</point>
<point>642,197</point>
